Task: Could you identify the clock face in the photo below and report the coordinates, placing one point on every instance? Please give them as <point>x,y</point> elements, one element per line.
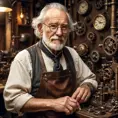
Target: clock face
<point>83,7</point>
<point>99,22</point>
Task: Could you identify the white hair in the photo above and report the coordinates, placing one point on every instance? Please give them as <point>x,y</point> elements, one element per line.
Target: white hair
<point>39,19</point>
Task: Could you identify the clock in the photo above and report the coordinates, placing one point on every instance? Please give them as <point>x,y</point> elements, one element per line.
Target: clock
<point>100,22</point>
<point>83,7</point>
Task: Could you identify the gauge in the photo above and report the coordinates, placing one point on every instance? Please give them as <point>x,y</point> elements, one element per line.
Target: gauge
<point>83,7</point>
<point>99,22</point>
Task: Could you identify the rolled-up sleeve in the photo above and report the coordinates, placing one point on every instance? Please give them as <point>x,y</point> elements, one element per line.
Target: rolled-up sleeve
<point>18,85</point>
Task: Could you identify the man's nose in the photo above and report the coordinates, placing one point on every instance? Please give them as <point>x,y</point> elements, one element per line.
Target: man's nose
<point>59,31</point>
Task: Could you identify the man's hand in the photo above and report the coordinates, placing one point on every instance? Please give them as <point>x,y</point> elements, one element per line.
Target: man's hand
<point>82,93</point>
<point>65,104</point>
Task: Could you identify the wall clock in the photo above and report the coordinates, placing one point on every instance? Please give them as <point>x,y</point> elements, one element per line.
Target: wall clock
<point>100,22</point>
<point>84,7</point>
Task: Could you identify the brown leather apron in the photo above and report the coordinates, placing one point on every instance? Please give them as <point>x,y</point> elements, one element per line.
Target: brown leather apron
<point>53,85</point>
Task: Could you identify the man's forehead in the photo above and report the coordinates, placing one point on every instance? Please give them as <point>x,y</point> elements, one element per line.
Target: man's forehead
<point>56,19</point>
<point>56,14</point>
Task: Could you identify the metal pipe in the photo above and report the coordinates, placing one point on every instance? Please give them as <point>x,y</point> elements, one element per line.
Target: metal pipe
<point>113,17</point>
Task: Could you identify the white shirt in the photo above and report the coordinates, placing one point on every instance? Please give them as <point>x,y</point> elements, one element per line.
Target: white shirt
<point>18,86</point>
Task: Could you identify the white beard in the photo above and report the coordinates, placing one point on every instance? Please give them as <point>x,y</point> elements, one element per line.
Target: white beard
<point>52,45</point>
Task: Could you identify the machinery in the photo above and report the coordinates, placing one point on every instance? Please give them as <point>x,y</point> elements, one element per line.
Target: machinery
<point>95,38</point>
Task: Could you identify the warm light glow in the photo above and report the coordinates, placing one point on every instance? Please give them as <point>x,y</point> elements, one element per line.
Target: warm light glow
<point>21,15</point>
<point>5,9</point>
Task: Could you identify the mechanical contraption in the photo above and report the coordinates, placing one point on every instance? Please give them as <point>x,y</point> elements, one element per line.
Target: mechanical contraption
<point>95,38</point>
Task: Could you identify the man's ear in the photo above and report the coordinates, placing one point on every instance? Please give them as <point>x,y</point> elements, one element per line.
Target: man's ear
<point>40,28</point>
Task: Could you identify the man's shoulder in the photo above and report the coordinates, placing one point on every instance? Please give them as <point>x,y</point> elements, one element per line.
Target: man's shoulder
<point>22,55</point>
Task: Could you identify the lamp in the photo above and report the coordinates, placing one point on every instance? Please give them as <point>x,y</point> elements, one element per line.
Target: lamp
<point>5,6</point>
<point>21,13</point>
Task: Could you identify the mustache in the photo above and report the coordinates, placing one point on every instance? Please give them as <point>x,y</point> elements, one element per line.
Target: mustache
<point>57,38</point>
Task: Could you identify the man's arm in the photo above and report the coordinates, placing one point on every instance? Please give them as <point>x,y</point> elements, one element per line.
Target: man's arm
<point>18,87</point>
<point>82,93</point>
<point>86,80</point>
<point>18,84</point>
<point>64,104</point>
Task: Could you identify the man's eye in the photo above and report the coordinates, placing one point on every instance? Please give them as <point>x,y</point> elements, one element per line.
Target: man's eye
<point>64,27</point>
<point>53,26</point>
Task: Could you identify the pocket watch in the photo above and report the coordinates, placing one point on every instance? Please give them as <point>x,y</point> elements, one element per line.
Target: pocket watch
<point>83,7</point>
<point>100,22</point>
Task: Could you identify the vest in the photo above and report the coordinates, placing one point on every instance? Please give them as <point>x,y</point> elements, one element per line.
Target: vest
<point>37,69</point>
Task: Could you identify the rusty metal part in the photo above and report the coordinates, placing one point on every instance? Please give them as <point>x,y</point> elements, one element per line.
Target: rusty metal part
<point>82,49</point>
<point>91,36</point>
<point>110,45</point>
<point>90,65</point>
<point>107,74</point>
<point>80,28</point>
<point>99,4</point>
<point>95,56</point>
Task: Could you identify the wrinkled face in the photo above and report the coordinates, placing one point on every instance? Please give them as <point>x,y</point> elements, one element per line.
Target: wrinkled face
<point>55,29</point>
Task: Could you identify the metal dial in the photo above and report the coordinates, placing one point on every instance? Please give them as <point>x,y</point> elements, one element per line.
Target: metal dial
<point>83,7</point>
<point>110,45</point>
<point>99,22</point>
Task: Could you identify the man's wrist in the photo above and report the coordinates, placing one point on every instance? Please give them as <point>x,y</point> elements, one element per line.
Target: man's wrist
<point>51,104</point>
<point>92,89</point>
